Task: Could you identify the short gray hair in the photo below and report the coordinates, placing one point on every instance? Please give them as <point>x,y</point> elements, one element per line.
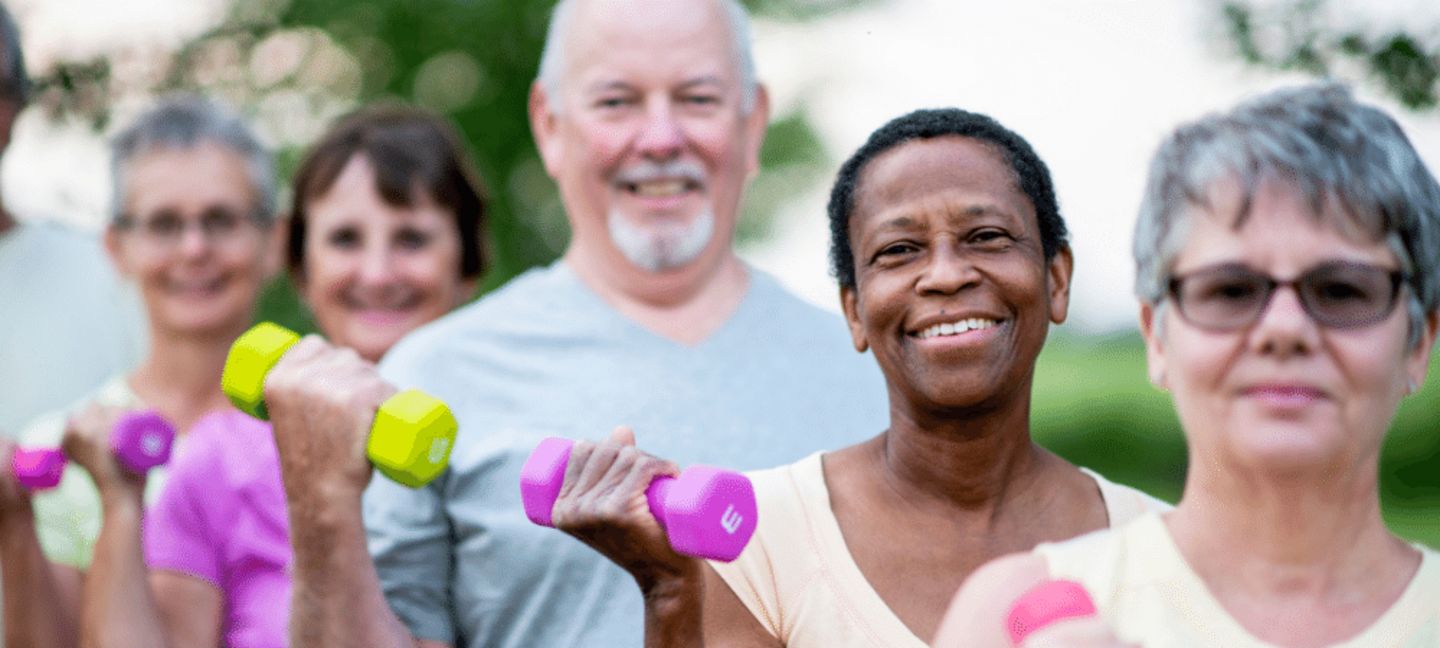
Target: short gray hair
<point>1317,140</point>
<point>14,82</point>
<point>552,59</point>
<point>185,122</point>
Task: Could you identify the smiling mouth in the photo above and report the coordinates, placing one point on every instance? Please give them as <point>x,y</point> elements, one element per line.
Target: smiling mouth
<point>666,188</point>
<point>957,328</point>
<point>206,287</point>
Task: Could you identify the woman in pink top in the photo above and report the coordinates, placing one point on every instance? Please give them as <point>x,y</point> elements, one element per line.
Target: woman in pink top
<point>384,237</point>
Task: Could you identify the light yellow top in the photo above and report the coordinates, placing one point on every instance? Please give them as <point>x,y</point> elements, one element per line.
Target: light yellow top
<point>1141,583</point>
<point>797,576</point>
<point>67,517</point>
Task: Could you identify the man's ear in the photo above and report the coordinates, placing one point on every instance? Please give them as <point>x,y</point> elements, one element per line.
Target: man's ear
<point>850,303</point>
<point>755,125</point>
<point>544,125</point>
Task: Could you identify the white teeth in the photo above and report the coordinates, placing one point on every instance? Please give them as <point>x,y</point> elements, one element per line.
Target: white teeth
<point>659,188</point>
<point>957,328</point>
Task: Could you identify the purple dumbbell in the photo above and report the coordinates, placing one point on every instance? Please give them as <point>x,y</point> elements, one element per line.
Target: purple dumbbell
<point>140,440</point>
<point>707,512</point>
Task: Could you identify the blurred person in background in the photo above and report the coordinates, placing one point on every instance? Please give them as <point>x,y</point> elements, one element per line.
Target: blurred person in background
<point>648,115</point>
<point>66,320</point>
<point>384,236</point>
<point>193,227</point>
<point>1286,257</point>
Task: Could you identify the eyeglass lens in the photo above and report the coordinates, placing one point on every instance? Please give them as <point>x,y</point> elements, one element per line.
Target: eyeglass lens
<point>216,224</point>
<point>1337,294</point>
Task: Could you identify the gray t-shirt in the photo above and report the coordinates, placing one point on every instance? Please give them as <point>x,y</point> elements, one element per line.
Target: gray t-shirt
<point>544,356</point>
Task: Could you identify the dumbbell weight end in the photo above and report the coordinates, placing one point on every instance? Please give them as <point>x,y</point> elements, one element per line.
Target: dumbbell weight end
<point>252,356</point>
<point>1045,604</point>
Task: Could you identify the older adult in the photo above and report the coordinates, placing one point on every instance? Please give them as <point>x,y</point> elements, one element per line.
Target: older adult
<point>1286,259</point>
<point>952,261</point>
<point>64,304</point>
<point>647,114</point>
<point>384,237</point>
<point>193,228</point>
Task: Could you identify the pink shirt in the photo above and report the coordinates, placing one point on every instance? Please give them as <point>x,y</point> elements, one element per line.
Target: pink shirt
<point>221,518</point>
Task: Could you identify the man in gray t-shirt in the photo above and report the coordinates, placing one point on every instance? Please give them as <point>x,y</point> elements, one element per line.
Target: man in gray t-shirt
<point>648,116</point>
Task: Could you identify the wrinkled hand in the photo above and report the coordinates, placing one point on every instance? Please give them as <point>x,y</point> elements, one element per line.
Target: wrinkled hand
<point>14,498</point>
<point>87,443</point>
<point>322,401</point>
<point>602,503</point>
<point>1087,632</point>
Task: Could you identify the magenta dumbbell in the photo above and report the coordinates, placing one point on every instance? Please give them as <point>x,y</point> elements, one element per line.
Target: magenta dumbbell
<point>707,512</point>
<point>140,440</point>
<point>1045,604</point>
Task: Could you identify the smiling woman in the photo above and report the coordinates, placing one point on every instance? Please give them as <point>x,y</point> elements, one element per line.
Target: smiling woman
<point>952,263</point>
<point>1287,253</point>
<point>384,237</point>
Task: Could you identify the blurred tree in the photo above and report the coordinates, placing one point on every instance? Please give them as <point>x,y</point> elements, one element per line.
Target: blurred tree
<point>1302,35</point>
<point>295,64</point>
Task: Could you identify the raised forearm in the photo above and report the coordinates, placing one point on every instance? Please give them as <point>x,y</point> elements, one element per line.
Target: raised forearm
<point>118,607</point>
<point>42,609</point>
<point>674,611</point>
<point>337,599</point>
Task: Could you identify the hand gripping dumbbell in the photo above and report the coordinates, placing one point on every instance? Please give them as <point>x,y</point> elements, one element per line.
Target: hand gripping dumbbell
<point>1044,604</point>
<point>140,440</point>
<point>706,512</point>
<point>412,434</point>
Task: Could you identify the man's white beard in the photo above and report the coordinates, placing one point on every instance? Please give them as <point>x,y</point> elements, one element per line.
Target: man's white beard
<point>661,247</point>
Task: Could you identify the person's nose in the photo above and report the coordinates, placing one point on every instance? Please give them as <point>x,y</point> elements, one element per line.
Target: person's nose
<point>946,271</point>
<point>1284,328</point>
<point>661,136</point>
<point>377,265</point>
<point>194,241</point>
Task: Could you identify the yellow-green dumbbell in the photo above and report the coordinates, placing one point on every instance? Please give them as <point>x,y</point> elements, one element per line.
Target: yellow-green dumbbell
<point>410,440</point>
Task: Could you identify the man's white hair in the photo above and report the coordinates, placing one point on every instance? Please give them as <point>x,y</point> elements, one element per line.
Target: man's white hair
<point>552,59</point>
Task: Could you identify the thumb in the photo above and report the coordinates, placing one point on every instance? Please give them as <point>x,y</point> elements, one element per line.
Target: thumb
<point>623,434</point>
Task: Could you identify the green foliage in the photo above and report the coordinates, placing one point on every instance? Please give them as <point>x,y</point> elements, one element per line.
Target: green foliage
<point>1295,35</point>
<point>1094,405</point>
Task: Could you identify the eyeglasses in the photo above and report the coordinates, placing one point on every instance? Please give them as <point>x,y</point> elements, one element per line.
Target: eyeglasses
<point>218,225</point>
<point>1337,295</point>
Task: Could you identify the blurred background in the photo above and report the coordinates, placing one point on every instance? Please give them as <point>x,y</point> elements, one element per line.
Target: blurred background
<point>1093,85</point>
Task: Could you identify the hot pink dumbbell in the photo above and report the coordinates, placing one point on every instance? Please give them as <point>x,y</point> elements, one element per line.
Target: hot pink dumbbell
<point>140,440</point>
<point>1044,604</point>
<point>707,512</point>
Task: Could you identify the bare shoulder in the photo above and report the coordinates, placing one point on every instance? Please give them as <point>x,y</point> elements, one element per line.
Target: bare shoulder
<point>976,617</point>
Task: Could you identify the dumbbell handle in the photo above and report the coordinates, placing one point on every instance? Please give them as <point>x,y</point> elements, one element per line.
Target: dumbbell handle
<point>140,440</point>
<point>1045,604</point>
<point>707,512</point>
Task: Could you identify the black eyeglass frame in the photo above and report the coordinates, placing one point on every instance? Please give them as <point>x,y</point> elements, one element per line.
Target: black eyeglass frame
<point>1270,284</point>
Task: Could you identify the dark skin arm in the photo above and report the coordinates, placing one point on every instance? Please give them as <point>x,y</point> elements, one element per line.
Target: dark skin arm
<point>603,503</point>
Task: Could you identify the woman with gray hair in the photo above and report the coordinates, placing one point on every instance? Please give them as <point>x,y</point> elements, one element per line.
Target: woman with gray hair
<point>1286,259</point>
<point>193,229</point>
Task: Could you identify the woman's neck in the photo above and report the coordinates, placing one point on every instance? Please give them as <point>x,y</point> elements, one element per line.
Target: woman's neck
<point>181,375</point>
<point>1311,547</point>
<point>965,460</point>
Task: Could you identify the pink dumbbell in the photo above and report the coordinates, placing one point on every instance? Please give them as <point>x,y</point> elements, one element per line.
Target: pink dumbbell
<point>140,440</point>
<point>1044,604</point>
<point>707,512</point>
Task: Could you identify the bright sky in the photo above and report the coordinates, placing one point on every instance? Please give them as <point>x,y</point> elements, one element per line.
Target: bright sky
<point>1092,85</point>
